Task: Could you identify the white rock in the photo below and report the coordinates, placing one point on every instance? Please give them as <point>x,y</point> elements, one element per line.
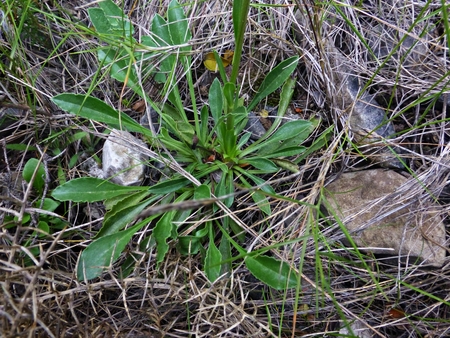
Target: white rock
<point>122,160</point>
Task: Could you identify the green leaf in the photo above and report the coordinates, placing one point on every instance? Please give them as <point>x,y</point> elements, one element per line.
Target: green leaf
<point>283,152</point>
<point>225,187</point>
<point>229,89</point>
<point>272,272</point>
<point>30,167</point>
<point>121,67</point>
<point>178,24</point>
<point>89,189</point>
<point>288,135</point>
<point>165,228</point>
<point>262,164</point>
<point>260,199</point>
<point>288,165</point>
<point>204,126</point>
<point>117,20</point>
<point>104,251</point>
<point>116,220</point>
<point>274,80</point>
<point>262,202</point>
<point>162,233</point>
<point>49,204</point>
<point>202,192</point>
<point>213,261</point>
<point>188,245</point>
<point>215,99</point>
<point>42,225</point>
<point>169,186</point>
<point>240,13</point>
<point>99,20</point>
<point>95,109</point>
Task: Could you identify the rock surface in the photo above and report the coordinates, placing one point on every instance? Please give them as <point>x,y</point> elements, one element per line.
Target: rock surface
<point>377,217</point>
<point>122,161</point>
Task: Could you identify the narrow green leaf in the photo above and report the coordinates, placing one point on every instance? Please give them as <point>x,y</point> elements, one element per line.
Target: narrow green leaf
<point>121,67</point>
<point>204,126</point>
<point>272,272</point>
<point>89,189</point>
<point>284,152</point>
<point>225,187</point>
<point>288,135</point>
<point>288,165</point>
<point>240,13</point>
<point>274,80</point>
<point>162,233</point>
<point>215,99</point>
<point>262,164</point>
<point>229,89</point>
<point>95,109</point>
<point>169,186</point>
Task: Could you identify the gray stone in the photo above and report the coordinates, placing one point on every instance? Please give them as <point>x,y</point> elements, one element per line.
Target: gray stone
<point>122,160</point>
<point>383,220</point>
<point>357,330</point>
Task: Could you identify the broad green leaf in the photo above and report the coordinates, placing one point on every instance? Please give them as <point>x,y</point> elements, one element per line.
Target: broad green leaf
<point>116,18</point>
<point>116,220</point>
<point>178,24</point>
<point>213,261</point>
<point>104,251</point>
<point>272,272</point>
<point>274,80</point>
<point>202,192</point>
<point>95,109</point>
<point>215,99</point>
<point>89,189</point>
<point>99,20</point>
<point>257,180</point>
<point>42,225</point>
<point>49,204</point>
<point>30,167</point>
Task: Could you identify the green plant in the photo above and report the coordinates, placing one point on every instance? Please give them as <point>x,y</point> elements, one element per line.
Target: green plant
<point>45,222</point>
<point>215,143</point>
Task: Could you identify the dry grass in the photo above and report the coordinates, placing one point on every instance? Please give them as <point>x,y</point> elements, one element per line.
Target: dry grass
<point>44,298</point>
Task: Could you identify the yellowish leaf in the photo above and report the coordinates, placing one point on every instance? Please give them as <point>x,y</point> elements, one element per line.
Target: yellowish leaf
<point>211,64</point>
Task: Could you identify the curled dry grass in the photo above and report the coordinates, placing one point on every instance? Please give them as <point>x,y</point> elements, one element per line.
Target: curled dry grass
<point>338,284</point>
